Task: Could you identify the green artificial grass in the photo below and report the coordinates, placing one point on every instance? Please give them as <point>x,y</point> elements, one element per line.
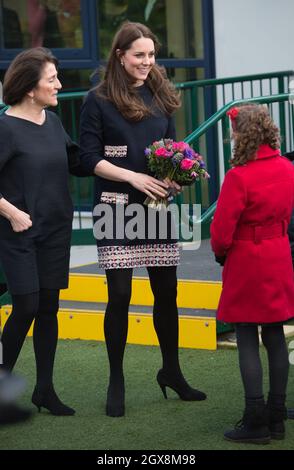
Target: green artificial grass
<point>151,422</point>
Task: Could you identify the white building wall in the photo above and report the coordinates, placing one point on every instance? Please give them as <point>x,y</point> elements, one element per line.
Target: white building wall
<point>253,36</point>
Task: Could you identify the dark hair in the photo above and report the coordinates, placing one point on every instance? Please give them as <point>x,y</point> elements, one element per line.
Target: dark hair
<point>118,85</point>
<point>253,127</point>
<point>24,73</point>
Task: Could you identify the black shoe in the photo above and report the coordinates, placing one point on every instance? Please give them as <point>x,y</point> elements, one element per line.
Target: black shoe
<point>245,434</point>
<point>12,414</point>
<point>179,385</point>
<point>277,430</point>
<point>115,404</point>
<point>277,414</point>
<point>290,413</point>
<point>49,400</point>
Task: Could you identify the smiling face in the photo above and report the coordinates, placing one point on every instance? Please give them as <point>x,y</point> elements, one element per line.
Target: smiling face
<point>139,59</point>
<point>45,93</point>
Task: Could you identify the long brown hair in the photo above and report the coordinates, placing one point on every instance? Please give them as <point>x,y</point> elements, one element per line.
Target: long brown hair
<point>252,127</point>
<point>24,73</point>
<point>118,86</point>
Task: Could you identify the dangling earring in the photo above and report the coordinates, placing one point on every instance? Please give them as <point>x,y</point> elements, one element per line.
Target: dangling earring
<point>33,101</point>
<point>122,64</point>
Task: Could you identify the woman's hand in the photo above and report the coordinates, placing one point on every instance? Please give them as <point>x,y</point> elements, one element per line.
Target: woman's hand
<point>149,185</point>
<point>174,187</point>
<point>20,221</point>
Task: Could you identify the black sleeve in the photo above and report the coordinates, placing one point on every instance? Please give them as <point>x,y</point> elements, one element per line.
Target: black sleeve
<point>171,130</point>
<point>220,259</point>
<point>73,156</point>
<point>6,146</point>
<point>91,133</point>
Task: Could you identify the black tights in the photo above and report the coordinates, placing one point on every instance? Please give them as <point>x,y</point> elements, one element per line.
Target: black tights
<point>273,339</point>
<point>163,282</point>
<point>43,307</point>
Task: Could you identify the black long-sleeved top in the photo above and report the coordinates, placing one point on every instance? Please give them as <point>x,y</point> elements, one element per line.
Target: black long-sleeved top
<point>106,134</point>
<point>34,164</point>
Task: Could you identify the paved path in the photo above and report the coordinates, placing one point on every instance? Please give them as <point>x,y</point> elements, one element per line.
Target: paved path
<point>195,264</point>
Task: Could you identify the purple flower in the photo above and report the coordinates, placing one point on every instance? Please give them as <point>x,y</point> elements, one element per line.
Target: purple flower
<point>189,153</point>
<point>177,158</point>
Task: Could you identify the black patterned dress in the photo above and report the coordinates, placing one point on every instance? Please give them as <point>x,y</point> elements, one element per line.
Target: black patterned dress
<point>106,134</point>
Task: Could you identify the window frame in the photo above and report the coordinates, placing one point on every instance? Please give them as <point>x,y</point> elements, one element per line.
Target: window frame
<point>83,58</point>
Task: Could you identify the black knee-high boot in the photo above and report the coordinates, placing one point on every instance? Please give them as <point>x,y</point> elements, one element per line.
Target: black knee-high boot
<point>165,316</point>
<point>116,329</point>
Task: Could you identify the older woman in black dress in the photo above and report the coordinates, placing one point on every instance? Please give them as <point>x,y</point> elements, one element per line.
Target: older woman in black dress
<point>35,214</point>
<point>129,110</point>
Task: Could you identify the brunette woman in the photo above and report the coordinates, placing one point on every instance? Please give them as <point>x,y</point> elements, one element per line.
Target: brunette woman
<point>131,108</point>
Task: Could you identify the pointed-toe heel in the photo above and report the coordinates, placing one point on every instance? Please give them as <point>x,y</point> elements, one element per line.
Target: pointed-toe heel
<point>180,386</point>
<point>49,400</point>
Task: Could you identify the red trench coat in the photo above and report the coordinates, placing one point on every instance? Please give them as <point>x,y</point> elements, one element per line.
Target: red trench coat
<point>250,228</point>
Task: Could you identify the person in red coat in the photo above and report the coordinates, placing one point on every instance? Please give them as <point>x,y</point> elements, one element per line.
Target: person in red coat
<point>290,156</point>
<point>249,236</point>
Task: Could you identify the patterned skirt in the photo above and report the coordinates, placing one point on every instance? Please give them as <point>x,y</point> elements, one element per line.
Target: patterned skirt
<point>136,256</point>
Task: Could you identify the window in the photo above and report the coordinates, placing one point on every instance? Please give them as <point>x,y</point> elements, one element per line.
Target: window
<point>68,27</point>
<point>46,23</point>
<point>177,24</point>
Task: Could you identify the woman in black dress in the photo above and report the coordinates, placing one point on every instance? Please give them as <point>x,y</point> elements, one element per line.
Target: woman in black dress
<point>129,110</point>
<point>35,213</point>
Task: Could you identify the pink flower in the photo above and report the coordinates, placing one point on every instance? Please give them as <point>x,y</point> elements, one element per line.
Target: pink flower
<point>161,152</point>
<point>180,146</point>
<point>187,164</point>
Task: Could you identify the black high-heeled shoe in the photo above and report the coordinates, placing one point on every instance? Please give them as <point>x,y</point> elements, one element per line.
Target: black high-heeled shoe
<point>115,404</point>
<point>179,385</point>
<point>49,400</point>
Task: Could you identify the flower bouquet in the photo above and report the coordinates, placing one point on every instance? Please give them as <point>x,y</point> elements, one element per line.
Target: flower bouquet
<point>176,161</point>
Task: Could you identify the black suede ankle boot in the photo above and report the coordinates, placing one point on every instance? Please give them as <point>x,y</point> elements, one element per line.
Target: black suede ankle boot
<point>253,427</point>
<point>277,414</point>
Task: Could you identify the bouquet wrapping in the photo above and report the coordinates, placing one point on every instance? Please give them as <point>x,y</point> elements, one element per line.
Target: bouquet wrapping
<point>176,161</point>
